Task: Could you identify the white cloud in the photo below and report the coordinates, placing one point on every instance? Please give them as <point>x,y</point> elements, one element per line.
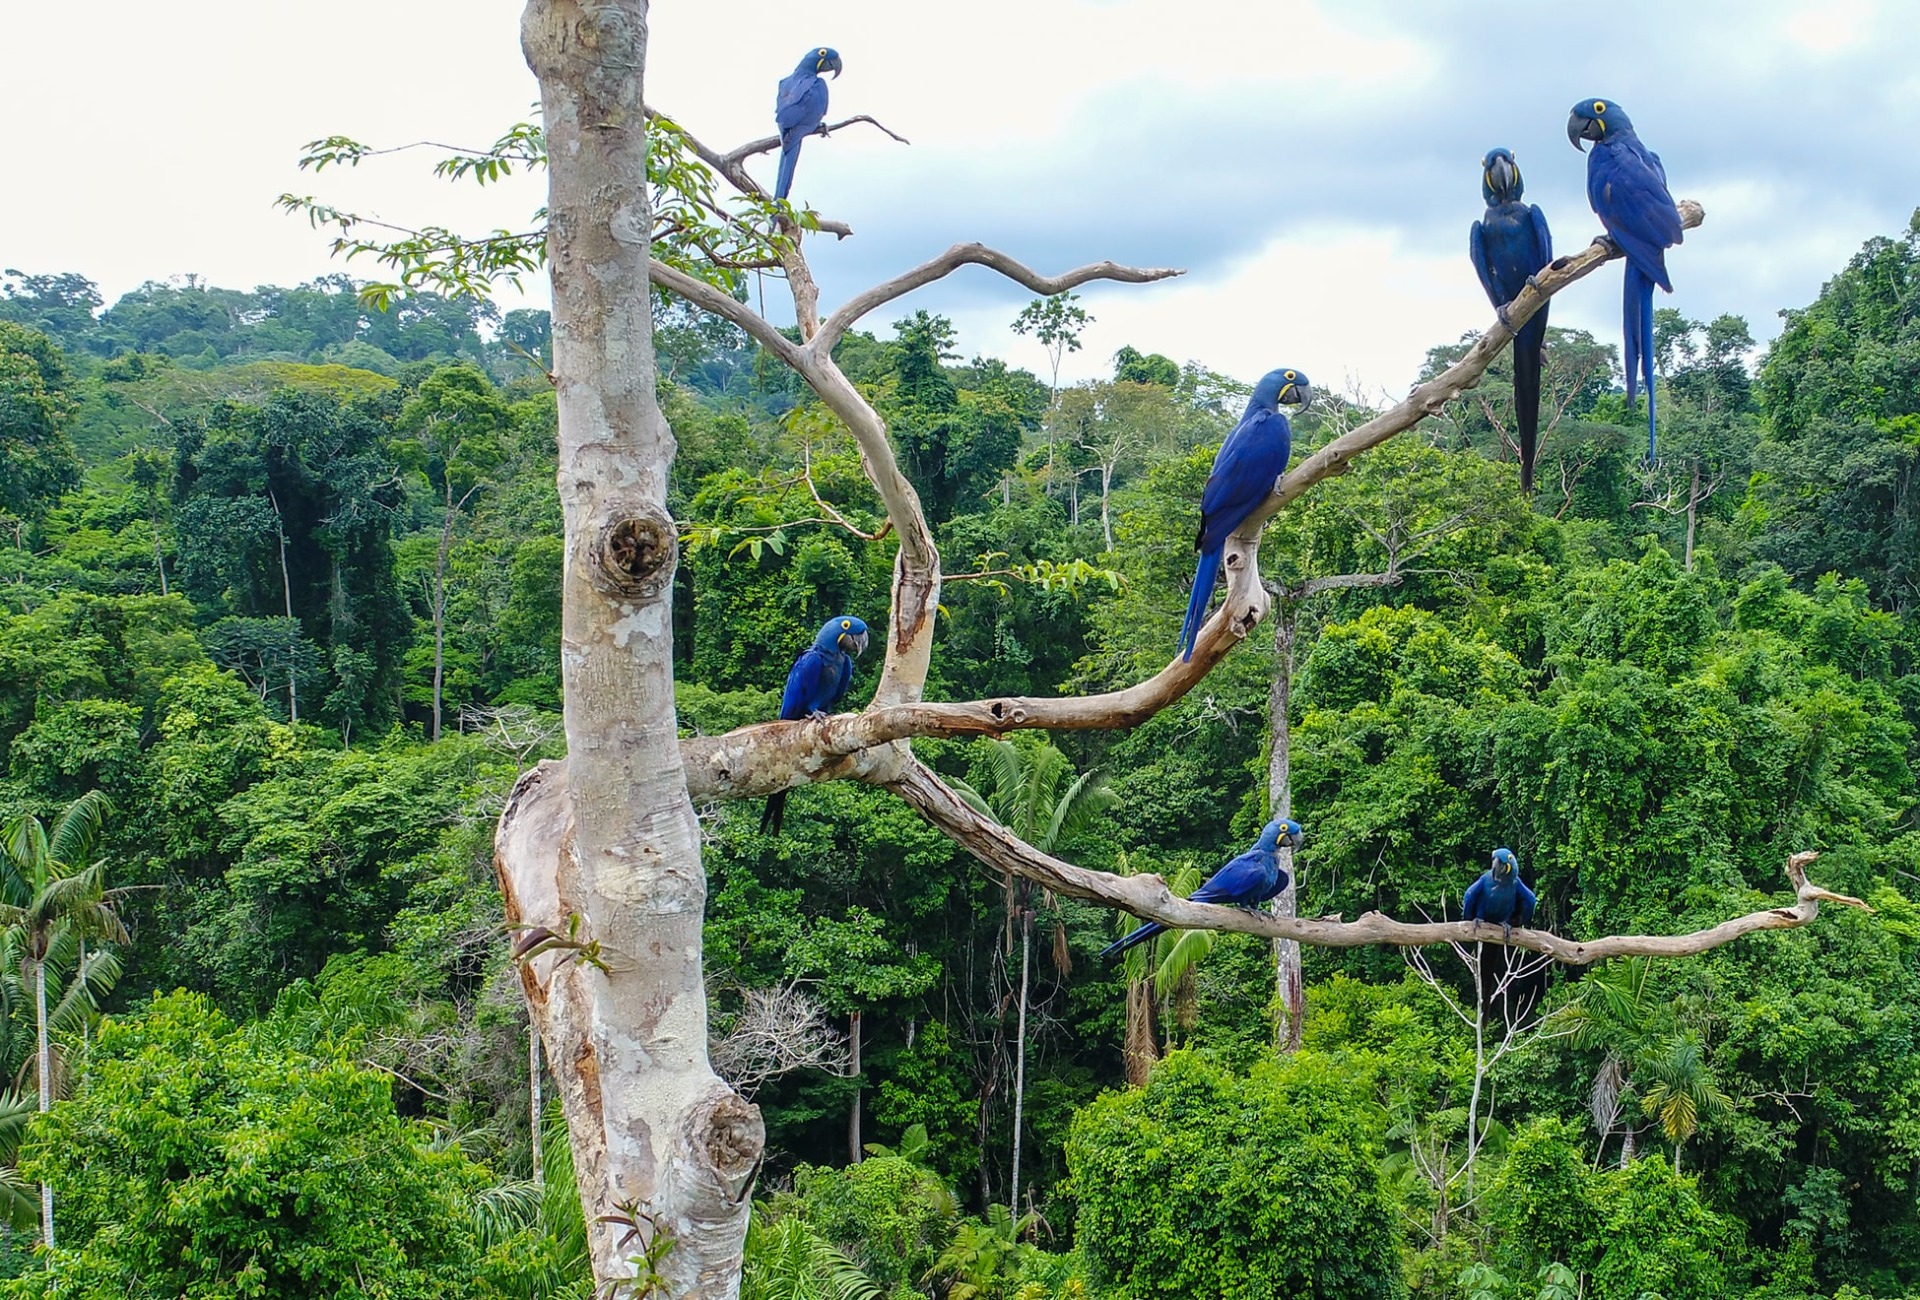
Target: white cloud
<point>1312,162</point>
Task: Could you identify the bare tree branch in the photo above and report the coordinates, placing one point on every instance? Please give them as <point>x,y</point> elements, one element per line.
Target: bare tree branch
<point>976,255</point>
<point>709,299</point>
<point>1148,897</point>
<point>776,1031</point>
<point>769,143</point>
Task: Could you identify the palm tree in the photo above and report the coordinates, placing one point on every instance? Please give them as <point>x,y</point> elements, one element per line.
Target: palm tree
<point>1615,1011</point>
<point>1683,1092</point>
<point>1160,972</point>
<point>1033,791</point>
<point>51,905</point>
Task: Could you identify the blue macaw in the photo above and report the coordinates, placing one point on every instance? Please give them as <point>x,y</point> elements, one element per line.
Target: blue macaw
<point>815,683</point>
<point>1500,896</point>
<point>1245,469</point>
<point>1509,245</point>
<point>801,108</point>
<point>1628,189</point>
<point>1250,879</point>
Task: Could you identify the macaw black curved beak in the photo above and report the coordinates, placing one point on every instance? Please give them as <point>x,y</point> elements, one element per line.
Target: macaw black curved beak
<point>837,69</point>
<point>1580,127</point>
<point>859,642</point>
<point>1297,395</point>
<point>1500,176</point>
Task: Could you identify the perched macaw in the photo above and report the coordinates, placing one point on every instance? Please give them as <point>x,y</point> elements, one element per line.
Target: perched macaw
<point>1245,469</point>
<point>815,683</point>
<point>1250,879</point>
<point>1499,896</point>
<point>1509,245</point>
<point>1628,189</point>
<point>801,108</point>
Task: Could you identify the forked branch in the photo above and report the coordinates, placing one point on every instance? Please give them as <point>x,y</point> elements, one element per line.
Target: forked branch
<point>756,761</point>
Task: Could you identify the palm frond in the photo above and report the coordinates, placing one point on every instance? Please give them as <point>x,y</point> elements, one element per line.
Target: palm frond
<point>1185,949</point>
<point>79,825</point>
<point>1075,811</point>
<point>505,1211</point>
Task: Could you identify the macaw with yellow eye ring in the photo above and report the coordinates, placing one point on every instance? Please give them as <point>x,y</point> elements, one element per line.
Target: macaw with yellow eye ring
<point>815,683</point>
<point>1500,896</point>
<point>1627,186</point>
<point>1248,464</point>
<point>1509,245</point>
<point>801,109</point>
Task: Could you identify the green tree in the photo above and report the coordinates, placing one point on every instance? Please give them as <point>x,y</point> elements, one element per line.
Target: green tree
<point>36,457</point>
<point>1055,324</point>
<point>197,1158</point>
<point>451,427</point>
<point>1205,1185</point>
<point>52,901</point>
<point>1682,1091</point>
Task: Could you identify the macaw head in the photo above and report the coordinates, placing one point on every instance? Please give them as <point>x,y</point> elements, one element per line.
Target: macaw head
<point>1596,120</point>
<point>1500,177</point>
<point>1504,865</point>
<point>1282,388</point>
<point>843,633</point>
<point>821,59</point>
<point>1282,833</point>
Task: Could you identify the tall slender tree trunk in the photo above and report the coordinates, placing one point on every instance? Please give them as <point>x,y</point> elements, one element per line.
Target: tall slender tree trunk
<point>1290,990</point>
<point>159,556</point>
<point>1479,1066</point>
<point>856,1149</point>
<point>1693,512</point>
<point>1020,1058</point>
<point>1106,520</point>
<point>534,1102</point>
<point>46,1087</point>
<point>286,590</point>
<point>605,850</point>
<point>440,608</point>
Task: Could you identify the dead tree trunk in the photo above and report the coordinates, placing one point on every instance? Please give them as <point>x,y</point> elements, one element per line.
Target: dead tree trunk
<point>611,906</point>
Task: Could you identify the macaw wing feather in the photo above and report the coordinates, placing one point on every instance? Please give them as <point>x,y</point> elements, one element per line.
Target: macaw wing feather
<point>802,105</point>
<point>1240,881</point>
<point>1483,264</point>
<point>1542,237</point>
<point>1250,460</point>
<point>1630,197</point>
<point>805,684</point>
<point>1472,905</point>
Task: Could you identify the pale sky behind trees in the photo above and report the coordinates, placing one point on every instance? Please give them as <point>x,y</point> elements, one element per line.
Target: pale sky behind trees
<point>1315,167</point>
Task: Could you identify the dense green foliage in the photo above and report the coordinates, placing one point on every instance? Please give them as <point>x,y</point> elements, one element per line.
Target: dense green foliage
<point>257,543</point>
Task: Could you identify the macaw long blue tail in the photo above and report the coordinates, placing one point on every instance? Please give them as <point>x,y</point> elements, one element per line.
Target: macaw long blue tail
<point>1203,580</point>
<point>1637,306</point>
<point>789,155</point>
<point>1137,937</point>
<point>1526,401</point>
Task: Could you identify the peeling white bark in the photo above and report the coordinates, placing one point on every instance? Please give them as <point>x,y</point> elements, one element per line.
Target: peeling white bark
<point>607,852</point>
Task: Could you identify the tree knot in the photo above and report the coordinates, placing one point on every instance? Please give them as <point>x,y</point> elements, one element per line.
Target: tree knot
<point>635,556</point>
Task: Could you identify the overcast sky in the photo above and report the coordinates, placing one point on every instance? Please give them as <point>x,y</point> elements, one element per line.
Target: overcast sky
<point>1314,167</point>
